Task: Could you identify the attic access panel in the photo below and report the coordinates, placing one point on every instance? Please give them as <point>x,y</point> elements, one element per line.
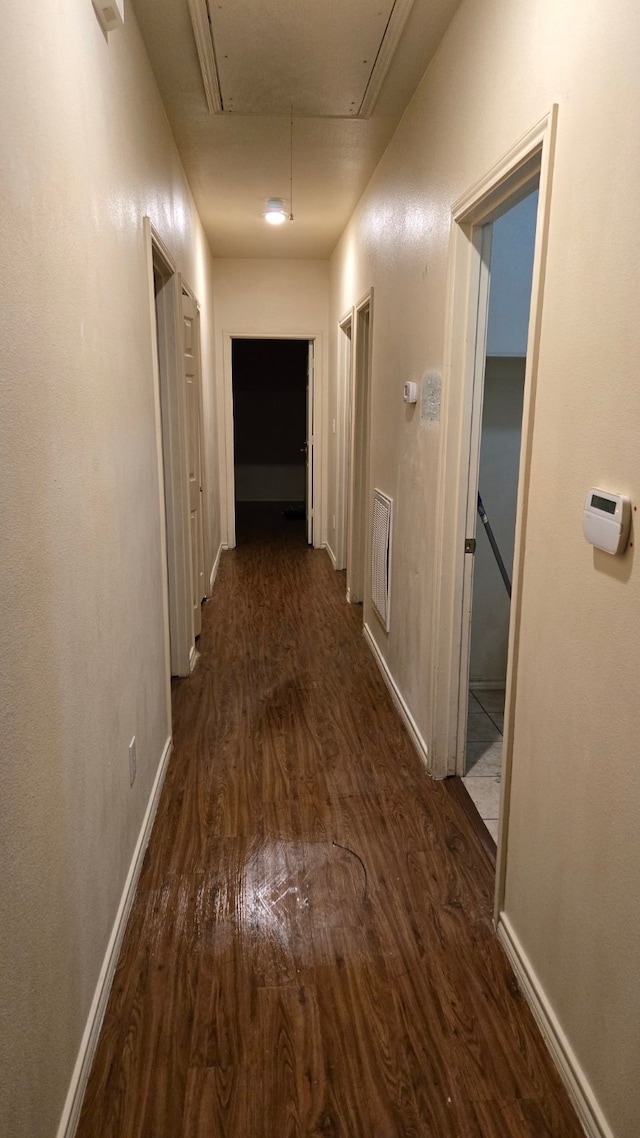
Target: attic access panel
<point>322,59</point>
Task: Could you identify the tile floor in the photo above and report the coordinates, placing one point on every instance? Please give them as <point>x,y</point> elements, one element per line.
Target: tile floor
<point>484,754</point>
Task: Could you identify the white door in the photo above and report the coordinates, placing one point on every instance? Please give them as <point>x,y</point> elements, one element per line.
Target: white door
<point>359,456</point>
<point>191,365</point>
<point>310,439</point>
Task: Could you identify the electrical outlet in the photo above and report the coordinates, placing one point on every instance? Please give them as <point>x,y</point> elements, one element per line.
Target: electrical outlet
<point>132,761</point>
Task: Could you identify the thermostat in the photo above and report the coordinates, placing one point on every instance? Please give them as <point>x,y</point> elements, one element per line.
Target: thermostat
<point>411,392</point>
<point>606,520</point>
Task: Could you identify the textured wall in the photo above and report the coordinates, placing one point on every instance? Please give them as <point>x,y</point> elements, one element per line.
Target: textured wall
<point>86,152</point>
<point>573,872</point>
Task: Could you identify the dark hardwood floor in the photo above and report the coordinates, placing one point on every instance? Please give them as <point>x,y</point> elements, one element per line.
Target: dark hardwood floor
<point>310,951</point>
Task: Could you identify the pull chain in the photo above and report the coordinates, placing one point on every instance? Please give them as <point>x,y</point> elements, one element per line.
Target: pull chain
<point>291,166</point>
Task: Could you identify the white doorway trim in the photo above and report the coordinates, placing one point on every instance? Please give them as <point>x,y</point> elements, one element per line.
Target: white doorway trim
<point>509,181</point>
<point>229,494</point>
<point>359,411</point>
<point>166,315</point>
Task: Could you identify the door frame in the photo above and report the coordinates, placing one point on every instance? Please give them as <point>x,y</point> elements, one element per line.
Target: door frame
<point>358,464</point>
<point>229,495</point>
<point>166,315</point>
<point>507,182</point>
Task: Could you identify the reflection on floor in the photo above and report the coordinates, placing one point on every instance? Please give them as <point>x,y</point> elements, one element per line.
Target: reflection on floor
<point>484,754</point>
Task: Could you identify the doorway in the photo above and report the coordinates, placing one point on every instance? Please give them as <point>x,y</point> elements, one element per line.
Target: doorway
<point>166,298</point>
<point>528,164</point>
<point>272,394</point>
<point>339,532</point>
<point>358,462</point>
<point>507,246</point>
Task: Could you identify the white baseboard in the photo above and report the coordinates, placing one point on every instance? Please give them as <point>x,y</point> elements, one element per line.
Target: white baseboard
<point>398,699</point>
<point>325,545</point>
<point>574,1078</point>
<point>89,1042</point>
<point>214,571</point>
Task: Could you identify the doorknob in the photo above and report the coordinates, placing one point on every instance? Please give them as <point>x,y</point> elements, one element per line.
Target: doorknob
<point>304,449</point>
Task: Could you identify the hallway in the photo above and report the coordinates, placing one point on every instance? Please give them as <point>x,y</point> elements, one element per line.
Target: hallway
<point>310,950</point>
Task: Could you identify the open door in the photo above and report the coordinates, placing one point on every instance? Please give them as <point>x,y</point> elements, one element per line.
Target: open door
<point>191,366</point>
<point>358,512</point>
<point>310,440</point>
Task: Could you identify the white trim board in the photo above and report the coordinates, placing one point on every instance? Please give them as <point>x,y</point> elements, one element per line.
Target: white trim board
<point>574,1078</point>
<point>214,571</point>
<point>91,1034</point>
<point>398,699</point>
<point>325,545</point>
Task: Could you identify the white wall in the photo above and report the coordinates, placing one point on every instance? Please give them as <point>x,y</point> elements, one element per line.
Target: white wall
<point>573,861</point>
<point>270,483</point>
<point>512,242</point>
<point>272,298</point>
<point>86,152</point>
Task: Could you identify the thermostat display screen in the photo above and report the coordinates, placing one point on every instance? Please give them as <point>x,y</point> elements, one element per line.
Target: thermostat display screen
<point>603,503</point>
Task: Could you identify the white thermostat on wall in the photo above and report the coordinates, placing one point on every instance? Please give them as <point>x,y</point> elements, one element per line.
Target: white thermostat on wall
<point>411,392</point>
<point>606,520</point>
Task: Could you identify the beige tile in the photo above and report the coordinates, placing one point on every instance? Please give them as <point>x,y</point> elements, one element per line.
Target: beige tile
<point>491,701</point>
<point>480,728</point>
<point>485,793</point>
<point>484,758</point>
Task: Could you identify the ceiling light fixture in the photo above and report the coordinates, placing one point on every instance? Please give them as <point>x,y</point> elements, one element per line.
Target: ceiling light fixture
<point>275,211</point>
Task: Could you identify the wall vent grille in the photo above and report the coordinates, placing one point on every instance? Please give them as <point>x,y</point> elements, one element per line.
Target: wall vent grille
<point>381,555</point>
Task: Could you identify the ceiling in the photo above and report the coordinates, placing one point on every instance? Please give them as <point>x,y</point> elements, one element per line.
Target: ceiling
<point>233,74</point>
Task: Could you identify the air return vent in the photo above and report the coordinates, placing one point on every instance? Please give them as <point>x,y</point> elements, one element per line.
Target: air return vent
<point>325,60</point>
<point>381,555</point>
<point>202,31</point>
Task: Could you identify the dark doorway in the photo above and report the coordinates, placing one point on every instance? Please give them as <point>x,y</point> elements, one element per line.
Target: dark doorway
<point>270,428</point>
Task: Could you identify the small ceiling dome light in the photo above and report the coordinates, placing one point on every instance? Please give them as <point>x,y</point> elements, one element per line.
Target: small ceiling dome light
<point>274,212</point>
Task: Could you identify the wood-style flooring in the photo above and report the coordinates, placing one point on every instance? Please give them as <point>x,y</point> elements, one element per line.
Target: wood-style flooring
<point>310,952</point>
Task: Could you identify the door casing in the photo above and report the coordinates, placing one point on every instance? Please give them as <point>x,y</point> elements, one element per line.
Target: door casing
<point>314,421</point>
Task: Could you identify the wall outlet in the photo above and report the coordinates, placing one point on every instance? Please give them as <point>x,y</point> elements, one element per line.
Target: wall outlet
<point>132,761</point>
